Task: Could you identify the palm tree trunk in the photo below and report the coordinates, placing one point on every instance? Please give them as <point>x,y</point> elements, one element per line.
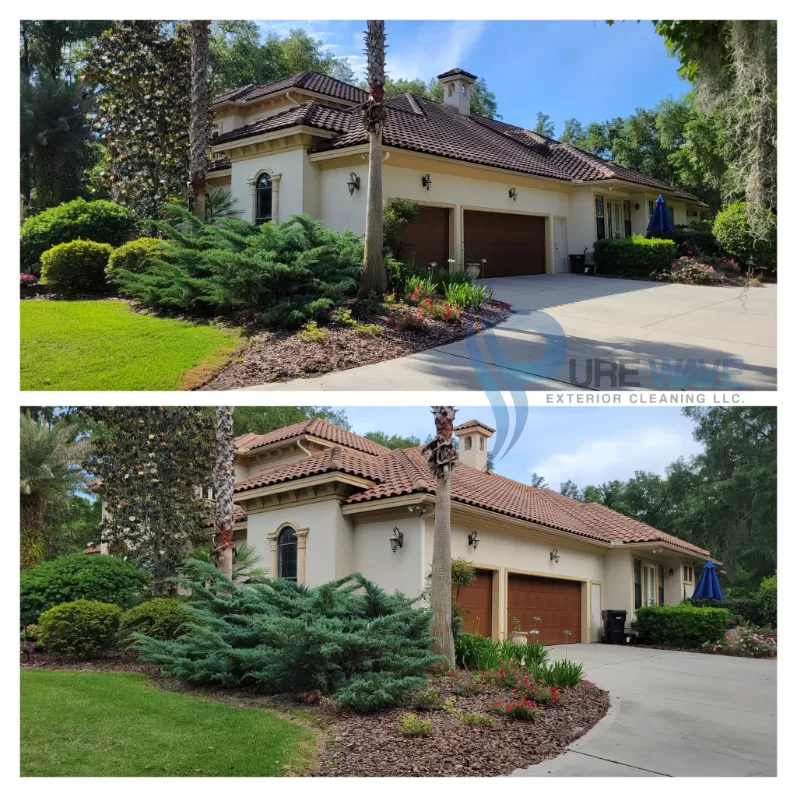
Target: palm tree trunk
<point>442,456</point>
<point>200,110</point>
<point>374,276</point>
<point>223,484</point>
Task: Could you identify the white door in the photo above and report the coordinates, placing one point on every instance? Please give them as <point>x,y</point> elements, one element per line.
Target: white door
<point>595,612</point>
<point>613,220</point>
<point>560,245</point>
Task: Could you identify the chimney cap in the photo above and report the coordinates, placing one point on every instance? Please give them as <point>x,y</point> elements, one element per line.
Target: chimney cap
<point>457,73</point>
<point>473,426</point>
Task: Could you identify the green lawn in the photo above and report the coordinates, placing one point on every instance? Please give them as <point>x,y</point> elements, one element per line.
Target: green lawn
<point>104,345</point>
<point>83,724</point>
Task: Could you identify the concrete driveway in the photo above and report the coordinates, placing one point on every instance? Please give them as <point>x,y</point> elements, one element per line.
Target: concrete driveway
<point>573,331</point>
<point>673,714</point>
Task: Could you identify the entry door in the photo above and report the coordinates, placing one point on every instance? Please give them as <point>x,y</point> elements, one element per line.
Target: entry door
<point>649,585</point>
<point>560,245</point>
<point>613,220</point>
<point>595,612</point>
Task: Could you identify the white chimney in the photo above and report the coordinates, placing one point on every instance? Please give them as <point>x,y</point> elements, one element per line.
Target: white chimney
<point>456,89</point>
<point>473,437</point>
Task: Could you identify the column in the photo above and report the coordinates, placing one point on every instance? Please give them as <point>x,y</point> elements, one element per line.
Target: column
<point>301,557</point>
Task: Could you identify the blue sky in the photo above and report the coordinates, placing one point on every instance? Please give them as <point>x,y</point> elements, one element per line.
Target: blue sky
<point>585,444</point>
<point>586,69</point>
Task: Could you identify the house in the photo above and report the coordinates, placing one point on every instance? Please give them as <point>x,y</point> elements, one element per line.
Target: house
<point>319,502</point>
<point>488,190</point>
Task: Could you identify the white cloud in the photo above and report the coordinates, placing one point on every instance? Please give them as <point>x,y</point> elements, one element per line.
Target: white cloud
<point>618,457</point>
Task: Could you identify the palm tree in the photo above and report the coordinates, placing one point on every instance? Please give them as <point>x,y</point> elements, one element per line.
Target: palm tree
<point>223,483</point>
<point>200,110</point>
<point>49,465</point>
<point>442,457</point>
<point>374,276</point>
<point>221,204</point>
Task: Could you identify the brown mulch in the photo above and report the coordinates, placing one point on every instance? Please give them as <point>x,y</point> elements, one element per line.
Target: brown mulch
<point>118,662</point>
<point>279,355</point>
<point>370,745</point>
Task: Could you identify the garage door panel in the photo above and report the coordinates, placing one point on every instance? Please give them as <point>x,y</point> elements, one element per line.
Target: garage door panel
<point>476,602</point>
<point>557,602</point>
<point>513,244</point>
<point>424,240</point>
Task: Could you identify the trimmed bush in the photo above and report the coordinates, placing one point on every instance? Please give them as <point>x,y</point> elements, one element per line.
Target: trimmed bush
<point>136,256</point>
<point>746,610</point>
<point>80,629</point>
<point>69,578</point>
<point>77,266</point>
<point>768,598</point>
<point>734,234</point>
<point>634,257</point>
<point>695,240</point>
<point>681,626</point>
<point>159,618</point>
<point>101,221</point>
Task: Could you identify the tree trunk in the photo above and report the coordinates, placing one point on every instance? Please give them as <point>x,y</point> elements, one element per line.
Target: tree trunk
<point>200,111</point>
<point>223,484</point>
<point>374,276</point>
<point>442,456</point>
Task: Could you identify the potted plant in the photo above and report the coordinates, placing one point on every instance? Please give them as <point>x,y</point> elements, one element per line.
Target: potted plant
<point>516,636</point>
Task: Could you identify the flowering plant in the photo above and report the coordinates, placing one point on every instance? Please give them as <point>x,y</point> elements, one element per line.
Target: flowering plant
<point>689,271</point>
<point>522,709</point>
<point>747,642</point>
<point>27,279</point>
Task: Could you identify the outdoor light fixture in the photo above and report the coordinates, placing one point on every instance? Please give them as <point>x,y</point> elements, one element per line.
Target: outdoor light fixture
<point>426,182</point>
<point>672,572</point>
<point>636,207</point>
<point>513,194</point>
<point>396,539</point>
<point>354,183</point>
<point>657,551</point>
<point>473,539</point>
<point>555,555</point>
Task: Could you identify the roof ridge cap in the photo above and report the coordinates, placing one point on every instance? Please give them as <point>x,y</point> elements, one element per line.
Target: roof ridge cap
<point>414,105</point>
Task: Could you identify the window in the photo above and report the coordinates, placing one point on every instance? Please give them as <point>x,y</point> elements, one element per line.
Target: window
<point>468,443</point>
<point>689,575</point>
<point>637,583</point>
<point>286,554</point>
<point>614,229</point>
<point>263,199</point>
<point>599,220</point>
<point>661,584</point>
<point>464,90</point>
<point>691,213</point>
<point>451,89</point>
<point>627,217</point>
<point>650,207</point>
<point>481,444</point>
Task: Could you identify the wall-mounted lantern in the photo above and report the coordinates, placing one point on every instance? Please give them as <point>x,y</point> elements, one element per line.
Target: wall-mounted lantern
<point>354,183</point>
<point>513,194</point>
<point>657,551</point>
<point>473,540</point>
<point>396,539</point>
<point>636,207</point>
<point>672,572</point>
<point>426,182</point>
<point>555,555</point>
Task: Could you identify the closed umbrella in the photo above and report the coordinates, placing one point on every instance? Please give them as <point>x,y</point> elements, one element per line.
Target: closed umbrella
<point>660,221</point>
<point>709,584</point>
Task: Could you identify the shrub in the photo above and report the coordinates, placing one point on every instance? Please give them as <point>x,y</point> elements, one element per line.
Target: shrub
<point>751,643</point>
<point>768,599</point>
<point>443,277</point>
<point>431,700</point>
<point>472,718</point>
<point>80,629</point>
<point>680,626</point>
<point>77,266</point>
<point>411,727</point>
<point>30,639</point>
<point>474,652</point>
<point>135,256</point>
<point>311,333</point>
<point>348,639</point>
<point>634,257</point>
<point>565,674</point>
<point>416,289</point>
<point>368,330</point>
<point>736,235</point>
<point>539,693</point>
<point>159,618</point>
<point>696,239</point>
<point>522,709</point>
<point>292,273</point>
<point>689,271</point>
<point>101,221</point>
<point>395,215</point>
<point>27,279</point>
<point>467,296</point>
<point>69,578</point>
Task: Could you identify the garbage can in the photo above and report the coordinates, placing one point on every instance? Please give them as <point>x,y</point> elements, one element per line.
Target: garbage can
<point>613,626</point>
<point>577,263</point>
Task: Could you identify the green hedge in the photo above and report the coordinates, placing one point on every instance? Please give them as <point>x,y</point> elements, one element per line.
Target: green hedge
<point>77,266</point>
<point>750,610</point>
<point>681,626</point>
<point>80,629</point>
<point>633,257</point>
<point>697,240</point>
<point>735,235</point>
<point>135,256</point>
<point>101,221</point>
<point>159,618</point>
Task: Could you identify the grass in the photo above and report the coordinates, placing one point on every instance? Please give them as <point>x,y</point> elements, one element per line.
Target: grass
<point>104,345</point>
<point>97,724</point>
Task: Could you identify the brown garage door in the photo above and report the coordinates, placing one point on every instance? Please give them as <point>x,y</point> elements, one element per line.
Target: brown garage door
<point>512,244</point>
<point>476,602</point>
<point>424,240</point>
<point>555,601</point>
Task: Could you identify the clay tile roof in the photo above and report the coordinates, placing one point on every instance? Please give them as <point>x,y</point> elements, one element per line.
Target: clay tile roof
<point>238,514</point>
<point>317,427</point>
<point>473,424</point>
<point>311,80</point>
<point>92,550</point>
<point>219,164</point>
<point>452,72</point>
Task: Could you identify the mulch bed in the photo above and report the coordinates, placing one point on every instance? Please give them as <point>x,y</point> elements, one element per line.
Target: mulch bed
<point>279,355</point>
<point>118,662</point>
<point>367,746</point>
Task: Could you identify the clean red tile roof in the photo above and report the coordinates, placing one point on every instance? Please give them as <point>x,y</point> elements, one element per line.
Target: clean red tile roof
<point>471,424</point>
<point>405,471</point>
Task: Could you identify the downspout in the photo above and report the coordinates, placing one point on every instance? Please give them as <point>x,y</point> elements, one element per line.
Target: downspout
<point>299,443</point>
<point>291,99</point>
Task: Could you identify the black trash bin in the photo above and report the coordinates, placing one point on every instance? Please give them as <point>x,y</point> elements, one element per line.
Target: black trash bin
<point>577,263</point>
<point>613,626</point>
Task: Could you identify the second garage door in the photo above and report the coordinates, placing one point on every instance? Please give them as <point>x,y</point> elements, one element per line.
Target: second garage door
<point>424,240</point>
<point>557,602</point>
<point>511,243</point>
<point>476,602</point>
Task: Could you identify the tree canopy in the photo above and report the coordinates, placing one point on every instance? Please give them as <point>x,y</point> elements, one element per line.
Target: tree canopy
<point>262,420</point>
<point>482,100</point>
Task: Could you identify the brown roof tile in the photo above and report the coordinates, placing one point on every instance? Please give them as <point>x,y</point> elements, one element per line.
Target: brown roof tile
<point>317,427</point>
<point>473,423</point>
<point>311,80</point>
<point>457,71</point>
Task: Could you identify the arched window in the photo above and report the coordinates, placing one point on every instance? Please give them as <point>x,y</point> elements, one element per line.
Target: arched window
<point>286,554</point>
<point>263,195</point>
<point>468,443</point>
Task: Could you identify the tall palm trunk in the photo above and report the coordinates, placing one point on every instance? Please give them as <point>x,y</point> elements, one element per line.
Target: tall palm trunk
<point>442,457</point>
<point>223,483</point>
<point>200,110</point>
<point>374,276</point>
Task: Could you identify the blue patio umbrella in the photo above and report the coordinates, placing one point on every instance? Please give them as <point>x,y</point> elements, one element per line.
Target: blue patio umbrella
<point>660,221</point>
<point>709,584</point>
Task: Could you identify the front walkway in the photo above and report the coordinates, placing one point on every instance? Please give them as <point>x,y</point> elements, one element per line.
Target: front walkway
<point>673,714</point>
<point>572,331</point>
